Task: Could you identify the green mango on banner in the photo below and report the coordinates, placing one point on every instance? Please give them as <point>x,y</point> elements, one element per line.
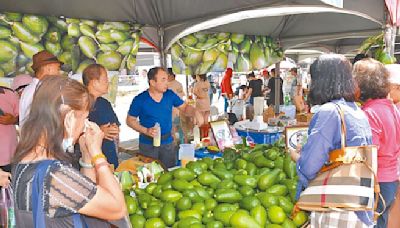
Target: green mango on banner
<point>5,32</point>
<point>7,51</point>
<point>203,52</point>
<point>85,63</point>
<point>9,67</point>
<point>53,34</point>
<point>108,47</point>
<point>66,57</point>
<point>36,24</point>
<point>30,49</point>
<point>53,48</point>
<point>110,60</point>
<point>13,16</point>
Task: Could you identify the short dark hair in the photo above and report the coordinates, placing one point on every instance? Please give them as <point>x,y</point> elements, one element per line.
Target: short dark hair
<point>151,75</point>
<point>359,57</point>
<point>251,74</point>
<point>203,77</point>
<point>273,70</point>
<point>372,79</point>
<point>92,72</point>
<point>331,79</point>
<point>170,72</point>
<point>294,69</point>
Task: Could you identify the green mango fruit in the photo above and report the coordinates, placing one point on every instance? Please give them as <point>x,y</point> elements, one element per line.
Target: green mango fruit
<point>72,20</point>
<point>7,51</point>
<point>288,224</point>
<point>53,48</point>
<point>9,67</point>
<point>249,202</point>
<point>201,37</point>
<point>82,66</point>
<point>259,214</point>
<point>221,63</point>
<point>189,222</point>
<point>199,207</point>
<point>154,223</point>
<point>181,185</point>
<point>30,49</point>
<point>189,40</point>
<point>111,60</point>
<point>22,60</point>
<point>210,43</point>
<point>243,63</point>
<point>245,46</point>
<point>237,38</point>
<point>223,36</point>
<point>222,174</point>
<point>184,204</point>
<point>118,36</point>
<point>104,36</point>
<point>289,167</point>
<point>59,23</point>
<point>165,178</point>
<point>193,58</point>
<point>123,26</point>
<point>53,34</point>
<point>152,212</point>
<point>184,174</point>
<point>168,214</point>
<point>131,204</point>
<point>73,30</point>
<point>204,67</point>
<point>207,178</point>
<point>65,57</point>
<point>227,196</point>
<point>300,218</point>
<point>88,47</point>
<point>137,221</point>
<point>210,204</point>
<point>91,23</point>
<point>257,57</point>
<point>189,213</point>
<point>176,51</point>
<point>24,34</point>
<point>276,215</point>
<point>131,62</point>
<point>13,16</point>
<point>267,200</point>
<point>278,190</point>
<point>126,180</point>
<point>126,47</point>
<point>285,204</point>
<point>267,180</point>
<point>176,68</point>
<point>87,31</point>
<point>385,58</point>
<point>211,55</point>
<point>170,196</point>
<point>4,32</point>
<point>67,43</point>
<point>242,219</point>
<point>36,24</point>
<point>75,57</point>
<point>108,47</point>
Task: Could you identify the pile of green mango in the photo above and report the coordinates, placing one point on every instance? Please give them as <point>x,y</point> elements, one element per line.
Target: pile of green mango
<point>199,53</point>
<point>256,190</point>
<point>76,42</point>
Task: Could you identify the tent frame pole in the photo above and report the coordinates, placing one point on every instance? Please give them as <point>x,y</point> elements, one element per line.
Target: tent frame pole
<point>163,57</point>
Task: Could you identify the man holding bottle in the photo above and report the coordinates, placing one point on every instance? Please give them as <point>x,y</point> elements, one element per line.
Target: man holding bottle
<point>155,106</point>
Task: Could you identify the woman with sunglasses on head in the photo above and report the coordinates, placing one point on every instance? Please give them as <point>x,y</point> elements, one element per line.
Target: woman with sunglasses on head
<point>48,191</point>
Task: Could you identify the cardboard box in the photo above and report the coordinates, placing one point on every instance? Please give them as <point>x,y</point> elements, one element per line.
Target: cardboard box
<point>304,117</point>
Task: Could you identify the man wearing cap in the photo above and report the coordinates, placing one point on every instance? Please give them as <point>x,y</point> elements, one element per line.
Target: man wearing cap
<point>394,80</point>
<point>44,64</point>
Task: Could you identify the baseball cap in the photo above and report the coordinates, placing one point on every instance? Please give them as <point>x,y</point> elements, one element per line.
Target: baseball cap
<point>43,58</point>
<point>394,73</point>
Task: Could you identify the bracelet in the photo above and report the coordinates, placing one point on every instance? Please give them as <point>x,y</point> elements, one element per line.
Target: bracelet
<point>103,163</point>
<point>97,156</point>
<point>85,165</point>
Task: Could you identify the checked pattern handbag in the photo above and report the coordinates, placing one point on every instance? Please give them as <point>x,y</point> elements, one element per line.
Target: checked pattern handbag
<point>347,182</point>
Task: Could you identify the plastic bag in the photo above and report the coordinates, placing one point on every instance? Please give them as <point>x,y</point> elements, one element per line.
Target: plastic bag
<point>7,213</point>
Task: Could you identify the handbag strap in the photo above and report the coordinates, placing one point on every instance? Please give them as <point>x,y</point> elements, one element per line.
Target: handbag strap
<point>37,197</point>
<point>343,126</point>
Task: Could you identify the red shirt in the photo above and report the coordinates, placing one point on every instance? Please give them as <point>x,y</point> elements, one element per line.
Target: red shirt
<point>226,85</point>
<point>384,119</point>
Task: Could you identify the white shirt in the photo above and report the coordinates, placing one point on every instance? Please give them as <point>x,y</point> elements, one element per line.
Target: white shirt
<point>26,101</point>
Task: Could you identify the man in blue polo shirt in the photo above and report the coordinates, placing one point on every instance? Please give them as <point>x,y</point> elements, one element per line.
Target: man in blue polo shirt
<point>155,106</point>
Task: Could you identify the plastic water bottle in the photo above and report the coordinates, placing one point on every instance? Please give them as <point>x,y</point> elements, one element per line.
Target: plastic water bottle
<point>287,99</point>
<point>157,138</point>
<point>196,135</point>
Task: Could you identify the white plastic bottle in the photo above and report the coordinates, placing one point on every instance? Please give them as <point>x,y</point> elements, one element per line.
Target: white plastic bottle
<point>196,135</point>
<point>157,138</point>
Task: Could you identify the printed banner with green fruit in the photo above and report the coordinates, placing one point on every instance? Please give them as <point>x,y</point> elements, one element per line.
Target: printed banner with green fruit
<point>76,42</point>
<point>200,53</point>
